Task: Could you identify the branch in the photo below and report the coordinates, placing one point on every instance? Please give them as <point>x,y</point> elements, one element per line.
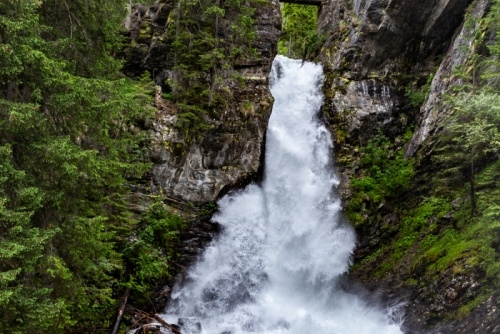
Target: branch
<point>150,316</point>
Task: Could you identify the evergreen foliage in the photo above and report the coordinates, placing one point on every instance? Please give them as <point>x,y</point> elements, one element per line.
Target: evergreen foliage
<point>472,134</point>
<point>299,35</point>
<point>148,254</point>
<point>383,178</point>
<point>66,154</point>
<point>24,300</point>
<point>69,245</point>
<point>210,39</point>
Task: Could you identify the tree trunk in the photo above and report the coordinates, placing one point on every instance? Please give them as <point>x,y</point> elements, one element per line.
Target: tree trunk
<point>175,73</point>
<point>472,190</point>
<point>121,310</point>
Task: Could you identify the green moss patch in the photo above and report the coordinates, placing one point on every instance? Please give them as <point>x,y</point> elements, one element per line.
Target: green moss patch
<point>435,236</point>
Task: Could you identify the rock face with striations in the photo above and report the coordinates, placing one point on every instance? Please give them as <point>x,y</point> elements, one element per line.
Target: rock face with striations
<point>371,47</point>
<point>373,51</point>
<point>194,169</point>
<point>432,112</point>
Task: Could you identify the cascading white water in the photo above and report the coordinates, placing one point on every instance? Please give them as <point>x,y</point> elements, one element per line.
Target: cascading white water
<point>274,267</point>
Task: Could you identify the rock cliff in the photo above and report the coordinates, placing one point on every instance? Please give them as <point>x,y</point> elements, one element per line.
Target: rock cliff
<point>377,54</point>
<point>191,170</point>
<point>373,49</point>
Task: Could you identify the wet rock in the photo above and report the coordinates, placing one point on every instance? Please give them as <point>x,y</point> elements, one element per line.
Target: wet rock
<point>371,50</point>
<point>386,36</point>
<point>481,320</point>
<point>371,46</point>
<point>148,48</point>
<point>227,154</point>
<point>152,328</point>
<point>367,106</point>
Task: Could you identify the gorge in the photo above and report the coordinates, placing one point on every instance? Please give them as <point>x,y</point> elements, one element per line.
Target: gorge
<point>132,134</point>
<point>388,66</point>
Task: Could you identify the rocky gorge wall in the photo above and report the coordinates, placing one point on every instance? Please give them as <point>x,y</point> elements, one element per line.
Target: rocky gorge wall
<point>193,170</point>
<point>376,54</point>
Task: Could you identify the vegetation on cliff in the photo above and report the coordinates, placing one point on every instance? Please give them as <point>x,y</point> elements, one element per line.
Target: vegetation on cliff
<point>209,39</point>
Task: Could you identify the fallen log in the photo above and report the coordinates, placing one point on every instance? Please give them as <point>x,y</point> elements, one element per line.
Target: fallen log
<point>121,310</point>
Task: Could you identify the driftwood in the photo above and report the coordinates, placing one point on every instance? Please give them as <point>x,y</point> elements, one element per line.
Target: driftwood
<point>121,309</point>
<point>146,321</point>
<point>166,324</point>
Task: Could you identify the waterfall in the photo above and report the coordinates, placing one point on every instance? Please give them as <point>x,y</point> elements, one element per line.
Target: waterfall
<point>284,245</point>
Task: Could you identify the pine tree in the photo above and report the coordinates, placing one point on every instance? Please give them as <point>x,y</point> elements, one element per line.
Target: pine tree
<point>299,35</point>
<point>473,130</point>
<point>66,154</point>
<point>210,39</point>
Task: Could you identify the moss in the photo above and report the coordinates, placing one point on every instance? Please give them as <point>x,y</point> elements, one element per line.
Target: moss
<point>247,108</point>
<point>340,137</point>
<point>369,260</point>
<point>411,282</point>
<point>465,310</point>
<point>436,238</point>
<point>424,237</point>
<point>166,146</point>
<point>144,30</point>
<point>380,180</point>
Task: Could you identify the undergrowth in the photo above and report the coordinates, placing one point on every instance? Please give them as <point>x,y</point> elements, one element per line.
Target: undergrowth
<point>382,178</point>
<point>437,237</point>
